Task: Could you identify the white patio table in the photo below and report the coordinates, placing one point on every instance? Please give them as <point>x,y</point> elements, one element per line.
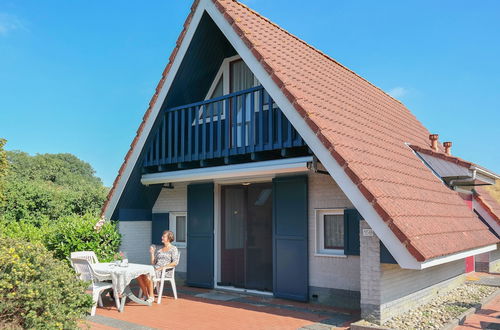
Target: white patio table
<point>121,277</point>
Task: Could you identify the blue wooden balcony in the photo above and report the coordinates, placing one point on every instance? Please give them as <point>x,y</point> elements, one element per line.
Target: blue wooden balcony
<point>242,126</point>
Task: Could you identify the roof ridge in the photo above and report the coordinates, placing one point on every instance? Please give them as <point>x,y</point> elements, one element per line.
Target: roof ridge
<point>315,49</point>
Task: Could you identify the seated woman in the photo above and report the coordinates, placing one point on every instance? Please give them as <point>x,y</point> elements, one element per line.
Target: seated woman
<point>161,258</point>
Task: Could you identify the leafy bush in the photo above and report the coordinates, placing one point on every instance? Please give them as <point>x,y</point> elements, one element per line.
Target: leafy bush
<point>75,233</point>
<point>37,290</point>
<point>66,235</point>
<point>27,230</point>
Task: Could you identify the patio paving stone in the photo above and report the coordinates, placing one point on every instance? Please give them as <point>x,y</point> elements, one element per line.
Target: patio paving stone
<point>214,309</point>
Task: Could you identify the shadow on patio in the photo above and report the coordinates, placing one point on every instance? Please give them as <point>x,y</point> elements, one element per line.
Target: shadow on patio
<point>214,309</point>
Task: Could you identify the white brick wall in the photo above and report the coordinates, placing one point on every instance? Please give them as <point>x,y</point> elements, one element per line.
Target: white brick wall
<point>398,282</point>
<point>370,268</point>
<point>327,271</point>
<point>136,239</point>
<point>174,200</point>
<point>388,290</point>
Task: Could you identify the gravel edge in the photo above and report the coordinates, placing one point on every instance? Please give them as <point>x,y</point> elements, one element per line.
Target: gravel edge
<point>459,320</point>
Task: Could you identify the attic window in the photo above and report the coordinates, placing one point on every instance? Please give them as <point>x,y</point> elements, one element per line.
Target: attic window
<point>241,76</point>
<point>218,91</point>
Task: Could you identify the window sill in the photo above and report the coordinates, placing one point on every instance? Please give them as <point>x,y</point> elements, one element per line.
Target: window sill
<point>330,255</point>
<point>180,245</point>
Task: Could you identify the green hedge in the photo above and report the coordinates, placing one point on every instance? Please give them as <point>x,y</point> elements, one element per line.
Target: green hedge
<point>66,235</point>
<point>37,290</point>
<point>77,233</point>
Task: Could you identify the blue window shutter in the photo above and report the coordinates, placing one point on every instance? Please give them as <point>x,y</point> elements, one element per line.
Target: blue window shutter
<point>351,232</point>
<point>290,234</point>
<point>200,235</point>
<point>159,223</point>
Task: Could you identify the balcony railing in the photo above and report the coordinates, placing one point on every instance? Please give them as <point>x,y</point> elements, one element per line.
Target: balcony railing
<point>240,123</point>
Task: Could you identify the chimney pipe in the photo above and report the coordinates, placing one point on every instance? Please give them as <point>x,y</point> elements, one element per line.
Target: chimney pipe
<point>447,148</point>
<point>434,141</point>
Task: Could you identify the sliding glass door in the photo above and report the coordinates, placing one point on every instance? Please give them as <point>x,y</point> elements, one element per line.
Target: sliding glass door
<point>246,240</point>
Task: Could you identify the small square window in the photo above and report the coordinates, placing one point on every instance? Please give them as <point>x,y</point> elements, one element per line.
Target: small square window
<point>333,230</point>
<point>330,232</point>
<point>178,225</point>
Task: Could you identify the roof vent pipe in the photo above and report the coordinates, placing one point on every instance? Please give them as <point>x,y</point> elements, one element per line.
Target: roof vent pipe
<point>447,148</point>
<point>434,141</point>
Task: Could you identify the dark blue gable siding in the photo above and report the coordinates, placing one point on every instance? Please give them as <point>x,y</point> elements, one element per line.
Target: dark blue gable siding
<point>137,200</point>
<point>385,256</point>
<point>205,54</point>
<point>203,59</point>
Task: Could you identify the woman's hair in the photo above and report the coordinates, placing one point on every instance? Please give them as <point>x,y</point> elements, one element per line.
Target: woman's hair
<point>170,235</point>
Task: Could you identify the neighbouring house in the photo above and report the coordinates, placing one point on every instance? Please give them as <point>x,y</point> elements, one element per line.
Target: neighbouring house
<point>282,172</point>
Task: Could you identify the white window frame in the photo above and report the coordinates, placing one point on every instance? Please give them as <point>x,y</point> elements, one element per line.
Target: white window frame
<point>224,72</point>
<point>320,235</point>
<point>173,227</point>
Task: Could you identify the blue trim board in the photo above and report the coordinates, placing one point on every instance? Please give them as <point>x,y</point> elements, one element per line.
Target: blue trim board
<point>134,214</point>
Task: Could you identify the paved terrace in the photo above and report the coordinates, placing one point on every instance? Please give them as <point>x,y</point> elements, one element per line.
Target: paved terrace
<point>210,309</point>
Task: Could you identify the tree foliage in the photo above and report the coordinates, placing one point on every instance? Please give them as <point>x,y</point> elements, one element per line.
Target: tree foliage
<point>50,185</point>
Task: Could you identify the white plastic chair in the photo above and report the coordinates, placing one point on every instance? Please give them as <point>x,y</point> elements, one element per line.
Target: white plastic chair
<point>159,283</point>
<point>86,273</point>
<point>88,255</point>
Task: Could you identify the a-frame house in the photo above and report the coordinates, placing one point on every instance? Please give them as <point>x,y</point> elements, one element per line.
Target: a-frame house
<point>283,172</point>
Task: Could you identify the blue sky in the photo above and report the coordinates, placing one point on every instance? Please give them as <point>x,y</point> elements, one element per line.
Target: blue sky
<point>77,76</point>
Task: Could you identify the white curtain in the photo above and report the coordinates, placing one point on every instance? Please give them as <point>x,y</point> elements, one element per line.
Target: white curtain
<point>334,231</point>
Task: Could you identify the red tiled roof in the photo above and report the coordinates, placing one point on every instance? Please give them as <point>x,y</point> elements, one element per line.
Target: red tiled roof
<point>365,130</point>
<point>487,201</point>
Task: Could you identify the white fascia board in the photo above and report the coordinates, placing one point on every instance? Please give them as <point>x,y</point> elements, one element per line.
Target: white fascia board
<point>485,179</point>
<point>155,110</point>
<point>486,216</point>
<point>486,173</point>
<point>239,171</point>
<point>457,256</point>
<point>395,247</point>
